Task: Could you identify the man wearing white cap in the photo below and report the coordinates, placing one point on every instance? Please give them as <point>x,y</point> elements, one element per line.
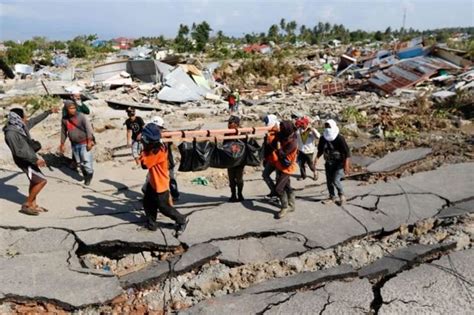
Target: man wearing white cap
<point>159,121</point>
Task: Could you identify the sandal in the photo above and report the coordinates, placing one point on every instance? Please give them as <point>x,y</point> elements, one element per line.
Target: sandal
<point>29,211</point>
<point>41,209</point>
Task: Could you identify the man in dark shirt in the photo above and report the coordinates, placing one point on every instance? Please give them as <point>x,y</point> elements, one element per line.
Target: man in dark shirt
<point>135,126</point>
<point>24,148</point>
<point>337,158</point>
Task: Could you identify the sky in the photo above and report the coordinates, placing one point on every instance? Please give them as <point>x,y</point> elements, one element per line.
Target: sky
<point>65,19</point>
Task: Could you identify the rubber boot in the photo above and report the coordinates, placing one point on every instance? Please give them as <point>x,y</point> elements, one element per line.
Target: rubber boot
<point>233,196</point>
<point>291,201</point>
<point>284,205</point>
<point>240,188</point>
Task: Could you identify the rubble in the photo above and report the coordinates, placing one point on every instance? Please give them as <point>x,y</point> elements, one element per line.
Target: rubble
<point>406,111</point>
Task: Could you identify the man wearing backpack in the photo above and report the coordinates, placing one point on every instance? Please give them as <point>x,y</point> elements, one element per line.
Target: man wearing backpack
<point>24,148</point>
<point>337,156</point>
<point>78,129</point>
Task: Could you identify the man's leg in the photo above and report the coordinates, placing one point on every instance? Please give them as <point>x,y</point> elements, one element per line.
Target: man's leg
<point>301,164</point>
<point>339,174</point>
<point>232,184</point>
<point>239,179</point>
<point>136,151</point>
<point>282,191</point>
<point>268,170</point>
<point>165,207</point>
<point>150,204</point>
<point>87,163</point>
<point>330,183</point>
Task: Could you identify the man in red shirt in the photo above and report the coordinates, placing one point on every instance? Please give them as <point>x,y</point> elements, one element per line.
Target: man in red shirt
<point>154,157</point>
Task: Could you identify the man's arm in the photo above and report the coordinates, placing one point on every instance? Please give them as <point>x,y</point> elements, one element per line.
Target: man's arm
<point>129,137</point>
<point>347,155</point>
<point>83,108</point>
<point>63,136</point>
<point>37,119</point>
<point>89,132</point>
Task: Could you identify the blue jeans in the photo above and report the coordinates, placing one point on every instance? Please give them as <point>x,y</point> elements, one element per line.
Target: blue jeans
<point>83,157</point>
<point>136,149</point>
<point>334,174</point>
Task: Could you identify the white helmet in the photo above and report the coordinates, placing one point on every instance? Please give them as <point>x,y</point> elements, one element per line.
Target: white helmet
<point>157,120</point>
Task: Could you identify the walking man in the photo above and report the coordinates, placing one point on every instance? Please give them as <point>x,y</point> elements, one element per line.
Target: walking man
<point>154,157</point>
<point>78,129</point>
<point>24,148</point>
<point>235,174</point>
<point>270,144</point>
<point>135,126</point>
<point>307,137</point>
<point>337,160</point>
<point>285,163</point>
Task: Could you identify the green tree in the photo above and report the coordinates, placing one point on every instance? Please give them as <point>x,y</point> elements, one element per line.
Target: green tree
<point>273,33</point>
<point>19,54</point>
<point>200,34</point>
<point>378,36</point>
<point>77,49</point>
<point>182,41</point>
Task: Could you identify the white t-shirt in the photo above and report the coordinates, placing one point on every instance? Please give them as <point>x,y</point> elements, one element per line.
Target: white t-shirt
<point>309,146</point>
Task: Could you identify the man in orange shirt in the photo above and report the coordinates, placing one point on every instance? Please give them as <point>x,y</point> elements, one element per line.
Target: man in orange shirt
<point>285,163</point>
<point>154,157</point>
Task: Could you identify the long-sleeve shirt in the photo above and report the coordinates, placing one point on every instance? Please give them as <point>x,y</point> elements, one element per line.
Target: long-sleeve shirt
<point>77,128</point>
<point>336,151</point>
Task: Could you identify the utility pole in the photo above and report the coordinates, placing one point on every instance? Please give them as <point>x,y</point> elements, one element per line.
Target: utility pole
<point>404,18</point>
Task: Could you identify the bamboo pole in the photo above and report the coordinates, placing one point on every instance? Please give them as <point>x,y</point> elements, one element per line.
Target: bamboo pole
<point>213,134</point>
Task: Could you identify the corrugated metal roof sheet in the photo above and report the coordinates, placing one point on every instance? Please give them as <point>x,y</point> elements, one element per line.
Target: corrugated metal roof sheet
<point>407,73</point>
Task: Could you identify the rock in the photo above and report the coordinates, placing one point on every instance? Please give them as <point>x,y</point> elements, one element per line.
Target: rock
<point>194,257</point>
<point>424,226</point>
<point>295,263</point>
<point>210,279</point>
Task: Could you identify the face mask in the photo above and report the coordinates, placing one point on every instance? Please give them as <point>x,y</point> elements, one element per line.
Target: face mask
<point>327,130</point>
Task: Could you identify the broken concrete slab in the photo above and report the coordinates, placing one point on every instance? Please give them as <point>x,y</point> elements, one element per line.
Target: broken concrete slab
<point>363,161</point>
<point>47,269</point>
<point>301,280</point>
<point>337,297</point>
<point>444,286</point>
<point>457,177</point>
<point>401,259</point>
<point>254,249</point>
<point>457,209</point>
<point>236,304</point>
<point>194,257</point>
<point>394,160</point>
